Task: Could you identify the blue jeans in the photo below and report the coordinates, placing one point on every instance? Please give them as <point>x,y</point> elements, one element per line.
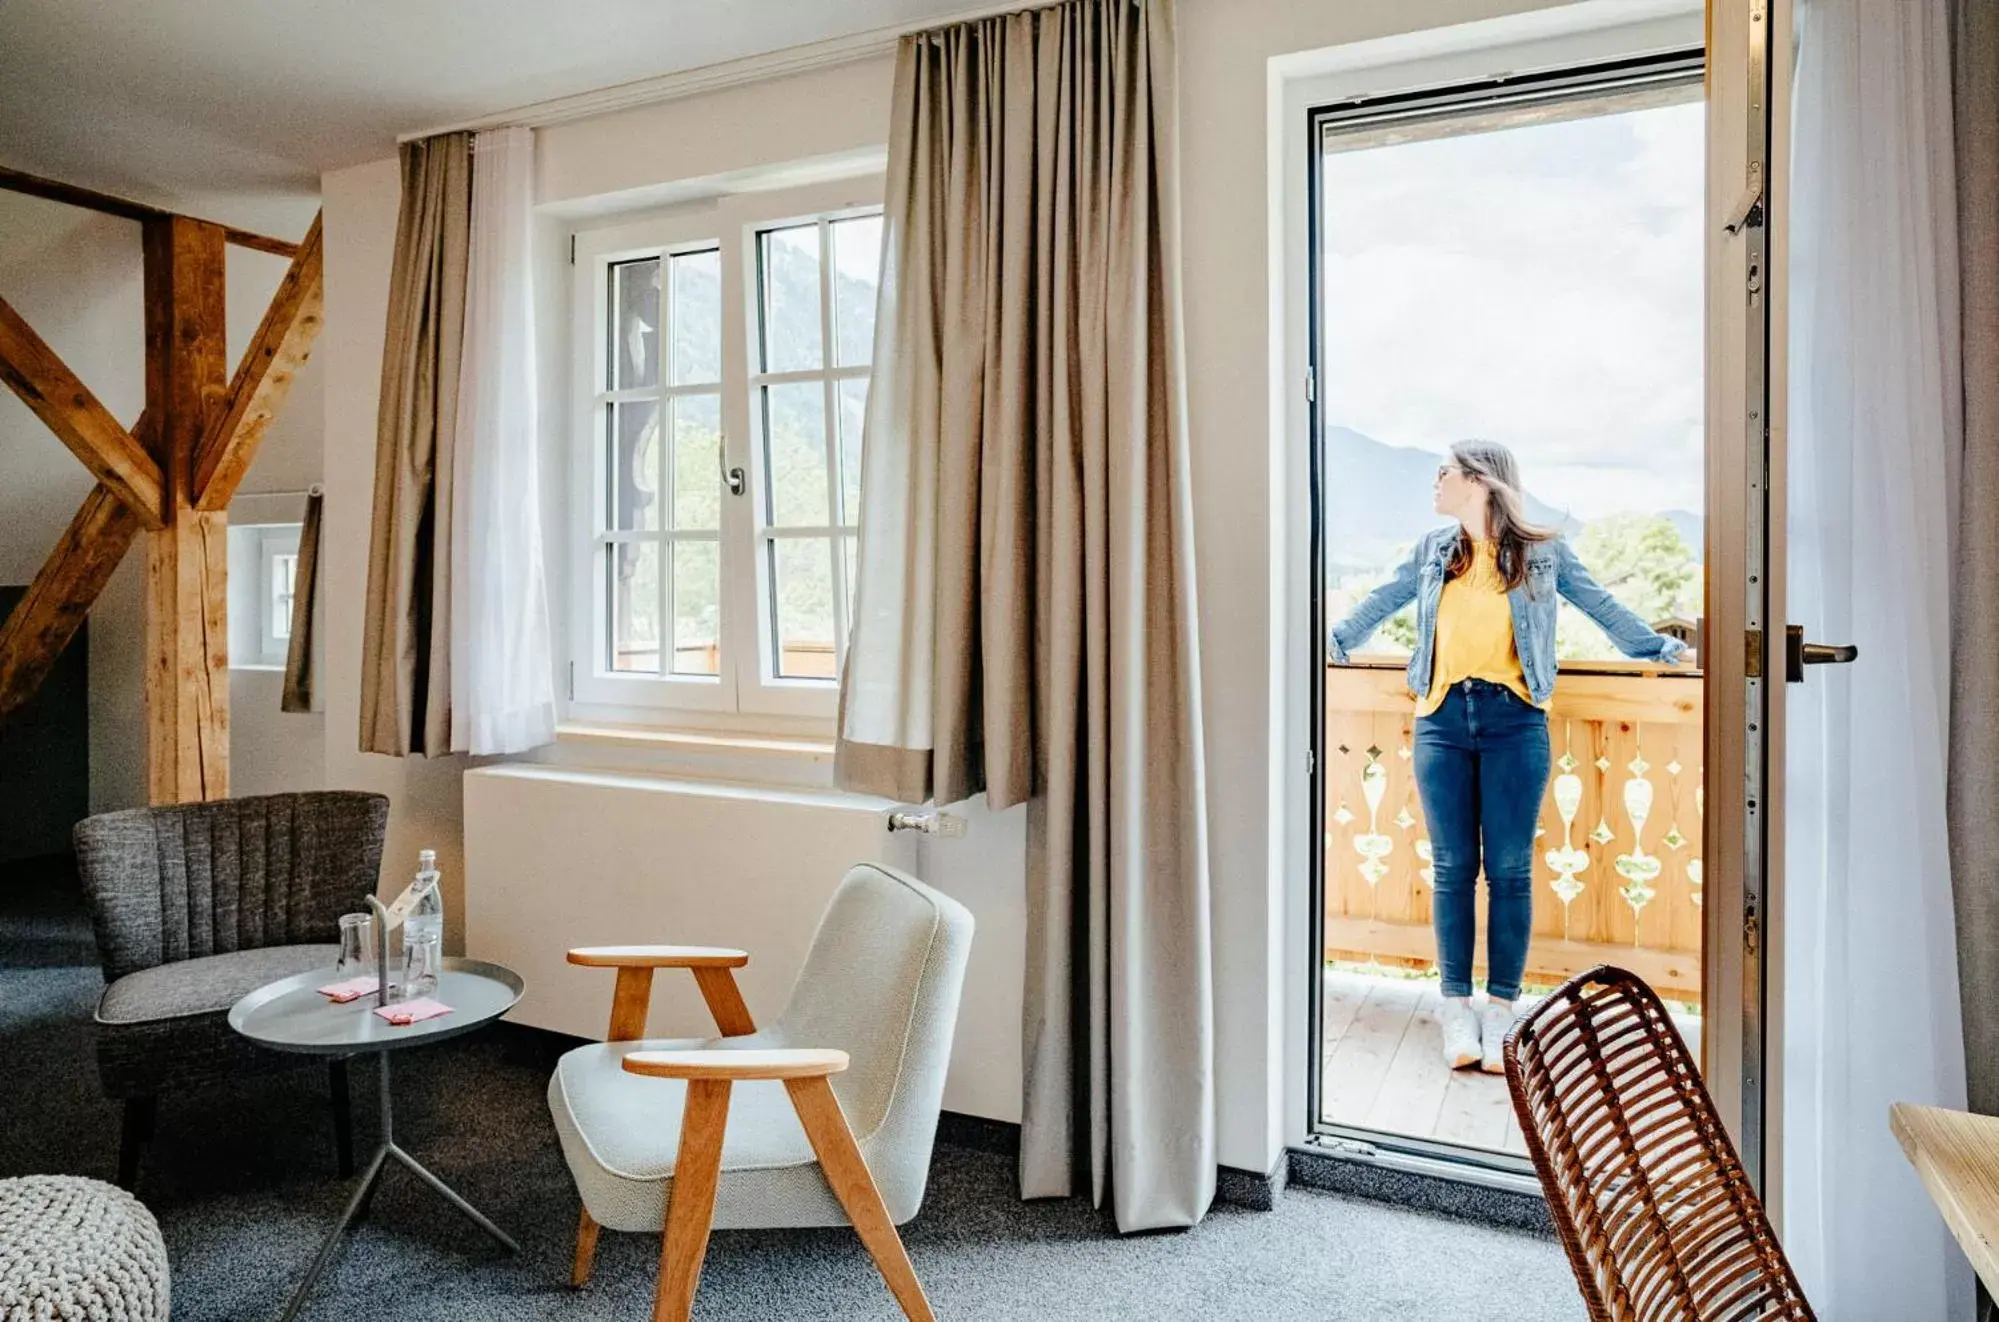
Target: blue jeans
<point>1481,764</point>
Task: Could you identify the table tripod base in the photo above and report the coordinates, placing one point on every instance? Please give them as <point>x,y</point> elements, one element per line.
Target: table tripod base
<point>363,1193</point>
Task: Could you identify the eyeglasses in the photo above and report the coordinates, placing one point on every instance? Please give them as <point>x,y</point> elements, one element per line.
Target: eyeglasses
<point>1446,470</point>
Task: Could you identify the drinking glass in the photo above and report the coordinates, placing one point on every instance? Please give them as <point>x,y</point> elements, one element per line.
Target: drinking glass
<point>422,962</point>
<point>357,945</point>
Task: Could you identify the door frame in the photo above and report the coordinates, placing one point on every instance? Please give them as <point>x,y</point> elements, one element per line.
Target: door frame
<point>1738,956</point>
<point>1748,164</point>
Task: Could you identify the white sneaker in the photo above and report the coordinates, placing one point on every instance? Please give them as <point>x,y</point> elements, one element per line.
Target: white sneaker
<point>1493,1021</point>
<point>1461,1046</point>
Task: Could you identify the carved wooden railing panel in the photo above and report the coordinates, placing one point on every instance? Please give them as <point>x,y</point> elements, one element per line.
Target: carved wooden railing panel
<point>1621,827</point>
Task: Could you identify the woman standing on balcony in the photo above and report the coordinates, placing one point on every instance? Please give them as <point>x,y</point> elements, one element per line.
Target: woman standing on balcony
<point>1483,671</point>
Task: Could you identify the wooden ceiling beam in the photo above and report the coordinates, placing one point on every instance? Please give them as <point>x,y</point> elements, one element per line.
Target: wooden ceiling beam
<point>264,377</point>
<point>43,621</point>
<point>47,386</point>
<point>54,190</point>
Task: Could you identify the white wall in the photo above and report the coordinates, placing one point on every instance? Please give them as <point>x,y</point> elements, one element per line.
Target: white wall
<point>1248,496</point>
<point>77,278</point>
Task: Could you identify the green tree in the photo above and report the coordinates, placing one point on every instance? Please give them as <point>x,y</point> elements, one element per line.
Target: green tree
<point>1646,564</point>
<point>1397,634</point>
<point>1640,558</point>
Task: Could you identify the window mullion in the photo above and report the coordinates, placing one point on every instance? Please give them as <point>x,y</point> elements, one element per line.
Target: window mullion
<point>663,480</point>
<point>738,603</point>
<point>830,411</point>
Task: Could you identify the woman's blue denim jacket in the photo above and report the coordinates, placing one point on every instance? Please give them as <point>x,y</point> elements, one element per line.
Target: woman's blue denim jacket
<point>1552,570</point>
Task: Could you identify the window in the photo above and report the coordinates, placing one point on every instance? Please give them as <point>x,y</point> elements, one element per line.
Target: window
<point>661,431</point>
<point>816,324</point>
<point>280,574</point>
<point>723,361</point>
<point>263,565</point>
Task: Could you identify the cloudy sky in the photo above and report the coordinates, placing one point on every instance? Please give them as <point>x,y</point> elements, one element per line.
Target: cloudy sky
<point>1539,286</point>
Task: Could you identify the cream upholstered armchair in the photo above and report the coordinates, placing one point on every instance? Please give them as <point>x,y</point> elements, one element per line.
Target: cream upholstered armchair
<point>825,1118</point>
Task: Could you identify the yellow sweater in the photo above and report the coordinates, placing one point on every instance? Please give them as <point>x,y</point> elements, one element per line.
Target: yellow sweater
<point>1475,632</point>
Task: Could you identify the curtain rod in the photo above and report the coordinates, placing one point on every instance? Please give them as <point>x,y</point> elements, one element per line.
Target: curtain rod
<point>316,489</point>
<point>826,54</point>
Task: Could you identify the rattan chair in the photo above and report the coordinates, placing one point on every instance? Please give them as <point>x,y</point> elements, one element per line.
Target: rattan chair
<point>1645,1189</point>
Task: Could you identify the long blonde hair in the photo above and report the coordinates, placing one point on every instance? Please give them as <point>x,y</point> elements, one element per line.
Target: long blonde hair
<point>1493,467</point>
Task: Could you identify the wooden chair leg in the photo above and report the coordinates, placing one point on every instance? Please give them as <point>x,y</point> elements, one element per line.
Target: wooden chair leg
<point>134,1133</point>
<point>690,1212</point>
<point>343,1117</point>
<point>854,1185</point>
<point>586,1249</point>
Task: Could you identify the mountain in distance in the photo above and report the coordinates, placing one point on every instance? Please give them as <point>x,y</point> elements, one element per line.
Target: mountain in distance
<point>1378,502</point>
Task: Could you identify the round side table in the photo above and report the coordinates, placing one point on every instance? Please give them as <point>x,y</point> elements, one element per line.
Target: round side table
<point>291,1015</point>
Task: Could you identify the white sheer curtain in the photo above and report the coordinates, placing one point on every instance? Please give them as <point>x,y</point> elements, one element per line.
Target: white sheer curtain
<point>502,688</point>
<point>1871,993</point>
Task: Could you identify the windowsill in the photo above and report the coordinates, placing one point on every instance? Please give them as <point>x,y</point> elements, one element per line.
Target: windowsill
<point>790,748</point>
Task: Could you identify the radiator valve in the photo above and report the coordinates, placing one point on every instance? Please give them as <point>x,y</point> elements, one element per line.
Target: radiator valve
<point>930,823</point>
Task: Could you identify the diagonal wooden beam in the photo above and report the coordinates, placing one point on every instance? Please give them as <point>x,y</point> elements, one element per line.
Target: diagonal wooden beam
<point>42,622</point>
<point>55,190</point>
<point>263,378</point>
<point>46,385</point>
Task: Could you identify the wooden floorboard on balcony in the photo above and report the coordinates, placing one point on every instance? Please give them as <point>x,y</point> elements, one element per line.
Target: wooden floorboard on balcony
<point>1413,1087</point>
<point>1384,1066</point>
<point>1357,1064</point>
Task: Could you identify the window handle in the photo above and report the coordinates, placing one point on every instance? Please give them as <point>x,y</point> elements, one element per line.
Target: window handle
<point>732,477</point>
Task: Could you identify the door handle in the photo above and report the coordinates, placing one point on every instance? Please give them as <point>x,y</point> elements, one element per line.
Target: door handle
<point>1798,654</point>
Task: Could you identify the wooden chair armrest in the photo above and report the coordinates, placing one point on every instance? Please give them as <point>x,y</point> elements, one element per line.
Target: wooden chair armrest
<point>658,957</point>
<point>731,1066</point>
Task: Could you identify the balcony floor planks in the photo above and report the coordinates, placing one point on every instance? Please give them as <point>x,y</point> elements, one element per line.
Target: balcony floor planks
<point>1414,1085</point>
<point>1358,1062</point>
<point>1384,1066</point>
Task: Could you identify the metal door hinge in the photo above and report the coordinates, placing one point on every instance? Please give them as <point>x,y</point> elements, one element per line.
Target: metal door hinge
<point>572,681</point>
<point>1311,762</point>
<point>572,250</point>
<point>1311,385</point>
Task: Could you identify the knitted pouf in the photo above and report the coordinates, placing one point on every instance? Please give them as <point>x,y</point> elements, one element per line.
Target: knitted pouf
<point>77,1250</point>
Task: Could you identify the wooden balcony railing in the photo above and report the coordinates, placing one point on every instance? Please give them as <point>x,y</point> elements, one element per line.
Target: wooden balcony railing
<point>1620,827</point>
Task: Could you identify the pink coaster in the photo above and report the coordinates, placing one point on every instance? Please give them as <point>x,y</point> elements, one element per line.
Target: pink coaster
<point>412,1012</point>
<point>352,989</point>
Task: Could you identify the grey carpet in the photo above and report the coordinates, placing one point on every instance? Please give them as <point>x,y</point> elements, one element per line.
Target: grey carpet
<point>242,1182</point>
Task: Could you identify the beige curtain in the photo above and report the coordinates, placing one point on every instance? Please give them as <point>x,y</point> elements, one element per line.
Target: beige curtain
<point>1974,720</point>
<point>297,696</point>
<point>406,652</point>
<point>1025,622</point>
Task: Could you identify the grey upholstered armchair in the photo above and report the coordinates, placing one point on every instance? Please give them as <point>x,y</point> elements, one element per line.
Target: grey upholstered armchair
<point>196,905</point>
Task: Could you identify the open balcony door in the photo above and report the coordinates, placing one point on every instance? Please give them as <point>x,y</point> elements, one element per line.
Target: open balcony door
<point>1748,89</point>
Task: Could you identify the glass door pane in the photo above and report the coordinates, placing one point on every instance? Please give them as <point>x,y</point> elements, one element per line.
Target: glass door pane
<point>1528,272</point>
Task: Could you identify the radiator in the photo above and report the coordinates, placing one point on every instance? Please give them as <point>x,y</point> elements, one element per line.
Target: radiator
<point>560,857</point>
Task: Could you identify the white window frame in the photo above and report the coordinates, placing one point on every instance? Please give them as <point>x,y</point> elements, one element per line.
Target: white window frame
<point>277,622</point>
<point>747,694</point>
<point>259,638</point>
